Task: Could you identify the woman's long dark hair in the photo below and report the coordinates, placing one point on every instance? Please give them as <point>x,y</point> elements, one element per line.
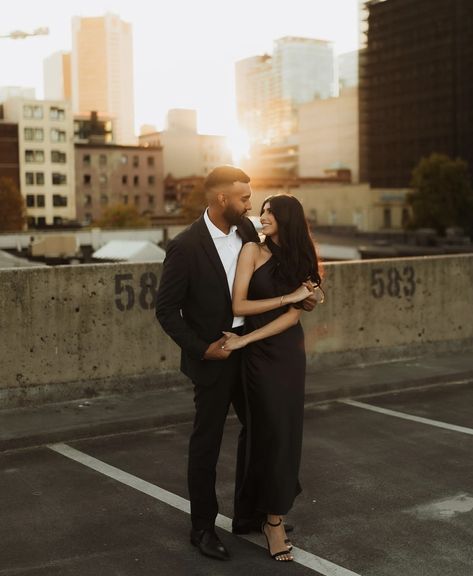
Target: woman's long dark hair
<point>296,253</point>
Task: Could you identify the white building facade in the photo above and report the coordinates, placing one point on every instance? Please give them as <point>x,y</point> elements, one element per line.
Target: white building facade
<point>46,152</point>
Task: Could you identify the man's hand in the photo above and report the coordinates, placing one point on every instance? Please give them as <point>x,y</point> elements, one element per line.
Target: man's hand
<point>309,303</point>
<point>215,350</point>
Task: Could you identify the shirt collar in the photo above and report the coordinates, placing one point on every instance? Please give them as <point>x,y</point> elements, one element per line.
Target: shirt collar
<point>214,231</point>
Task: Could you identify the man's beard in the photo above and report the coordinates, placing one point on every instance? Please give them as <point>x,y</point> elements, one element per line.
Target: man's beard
<point>233,217</point>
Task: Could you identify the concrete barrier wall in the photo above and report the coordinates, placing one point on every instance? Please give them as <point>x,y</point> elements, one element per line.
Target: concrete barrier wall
<point>73,331</point>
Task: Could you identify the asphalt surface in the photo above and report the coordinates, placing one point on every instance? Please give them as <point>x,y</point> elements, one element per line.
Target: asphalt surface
<point>383,496</point>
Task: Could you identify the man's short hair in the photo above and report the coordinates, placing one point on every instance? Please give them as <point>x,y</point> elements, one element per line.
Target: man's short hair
<point>226,174</point>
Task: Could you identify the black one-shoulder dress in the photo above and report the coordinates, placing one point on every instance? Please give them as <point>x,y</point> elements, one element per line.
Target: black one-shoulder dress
<point>274,370</point>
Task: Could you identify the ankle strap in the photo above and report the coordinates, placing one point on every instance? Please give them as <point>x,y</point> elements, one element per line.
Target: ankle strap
<point>274,525</point>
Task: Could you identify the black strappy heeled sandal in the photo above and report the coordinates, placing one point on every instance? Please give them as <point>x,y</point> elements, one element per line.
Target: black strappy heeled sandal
<point>277,555</point>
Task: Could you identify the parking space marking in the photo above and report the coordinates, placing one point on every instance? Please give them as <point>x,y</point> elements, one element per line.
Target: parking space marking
<point>302,557</point>
<point>404,416</point>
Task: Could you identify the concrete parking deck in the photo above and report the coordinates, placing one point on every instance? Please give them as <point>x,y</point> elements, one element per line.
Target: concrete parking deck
<point>387,492</point>
<point>57,422</point>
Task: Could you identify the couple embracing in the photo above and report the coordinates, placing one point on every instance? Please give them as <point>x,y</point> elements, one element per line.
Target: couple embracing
<point>233,303</point>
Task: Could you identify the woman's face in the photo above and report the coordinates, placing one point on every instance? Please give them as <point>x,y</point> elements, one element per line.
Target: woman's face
<point>268,221</point>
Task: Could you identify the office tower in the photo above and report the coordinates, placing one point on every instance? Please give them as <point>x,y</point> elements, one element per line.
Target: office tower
<point>102,72</point>
<point>57,76</point>
<point>269,88</point>
<point>416,86</point>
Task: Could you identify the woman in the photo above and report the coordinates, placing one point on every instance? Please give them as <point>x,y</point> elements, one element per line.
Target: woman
<point>271,278</point>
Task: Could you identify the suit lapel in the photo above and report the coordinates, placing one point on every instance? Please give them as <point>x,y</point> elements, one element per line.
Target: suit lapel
<point>211,251</point>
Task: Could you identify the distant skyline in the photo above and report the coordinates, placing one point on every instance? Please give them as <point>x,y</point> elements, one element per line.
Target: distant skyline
<point>184,51</point>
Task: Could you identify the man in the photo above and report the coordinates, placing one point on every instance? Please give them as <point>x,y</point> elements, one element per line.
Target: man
<point>194,307</point>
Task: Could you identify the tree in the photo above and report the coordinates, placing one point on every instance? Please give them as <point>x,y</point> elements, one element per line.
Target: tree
<point>442,194</point>
<point>12,206</point>
<point>122,216</point>
<point>194,202</point>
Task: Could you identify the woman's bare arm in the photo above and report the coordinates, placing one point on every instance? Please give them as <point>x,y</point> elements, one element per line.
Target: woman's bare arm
<point>280,324</point>
<point>245,269</point>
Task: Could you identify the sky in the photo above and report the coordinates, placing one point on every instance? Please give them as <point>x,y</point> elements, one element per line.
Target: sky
<point>184,50</point>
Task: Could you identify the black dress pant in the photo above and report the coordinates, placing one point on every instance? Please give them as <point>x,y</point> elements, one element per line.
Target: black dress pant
<point>211,407</point>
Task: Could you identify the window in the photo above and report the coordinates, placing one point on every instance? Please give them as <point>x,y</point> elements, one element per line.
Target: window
<point>59,179</point>
<point>137,200</point>
<point>34,156</point>
<point>40,200</point>
<point>136,161</point>
<point>150,200</point>
<point>125,199</point>
<point>87,179</point>
<point>58,157</point>
<point>29,178</point>
<point>86,160</point>
<point>57,220</point>
<point>124,179</point>
<point>41,222</point>
<point>36,134</point>
<point>103,199</point>
<point>39,178</point>
<point>59,201</point>
<point>387,217</point>
<point>136,180</point>
<point>151,180</point>
<point>30,111</point>
<point>37,112</point>
<point>58,135</point>
<point>150,160</point>
<point>30,200</point>
<point>57,113</point>
<point>102,160</point>
<point>103,179</point>
<point>124,159</point>
<point>87,200</point>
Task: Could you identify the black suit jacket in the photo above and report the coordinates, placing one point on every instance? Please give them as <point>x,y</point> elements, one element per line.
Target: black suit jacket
<point>194,304</point>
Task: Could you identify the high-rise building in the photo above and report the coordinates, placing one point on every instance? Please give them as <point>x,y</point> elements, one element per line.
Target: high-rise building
<point>102,72</point>
<point>57,76</point>
<point>269,88</point>
<point>416,86</point>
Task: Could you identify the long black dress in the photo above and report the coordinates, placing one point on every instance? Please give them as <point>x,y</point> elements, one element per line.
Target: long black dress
<point>275,378</point>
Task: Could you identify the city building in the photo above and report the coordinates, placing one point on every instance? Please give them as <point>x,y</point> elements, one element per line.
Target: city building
<point>7,92</point>
<point>93,129</point>
<point>46,158</point>
<point>328,135</point>
<point>269,88</point>
<point>9,155</point>
<point>186,153</point>
<point>102,72</point>
<point>110,174</point>
<point>416,86</point>
<point>57,76</point>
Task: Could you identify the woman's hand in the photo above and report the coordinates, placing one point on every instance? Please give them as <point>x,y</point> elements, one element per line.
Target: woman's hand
<point>304,290</point>
<point>233,342</point>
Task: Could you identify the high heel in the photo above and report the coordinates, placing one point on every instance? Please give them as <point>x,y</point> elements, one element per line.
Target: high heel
<point>277,555</point>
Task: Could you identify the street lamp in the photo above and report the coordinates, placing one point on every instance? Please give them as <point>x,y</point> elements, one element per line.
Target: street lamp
<point>20,35</point>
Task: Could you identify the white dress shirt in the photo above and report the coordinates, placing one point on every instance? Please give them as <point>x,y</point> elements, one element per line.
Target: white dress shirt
<point>228,247</point>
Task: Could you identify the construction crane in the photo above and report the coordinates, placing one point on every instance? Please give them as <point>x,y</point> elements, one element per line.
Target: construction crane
<point>20,35</point>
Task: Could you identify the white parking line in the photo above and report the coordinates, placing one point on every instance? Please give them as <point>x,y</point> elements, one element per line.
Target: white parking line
<point>411,417</point>
<point>302,557</point>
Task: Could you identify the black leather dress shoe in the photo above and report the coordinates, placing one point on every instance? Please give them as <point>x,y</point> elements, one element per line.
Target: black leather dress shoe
<point>209,544</point>
<point>253,525</point>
